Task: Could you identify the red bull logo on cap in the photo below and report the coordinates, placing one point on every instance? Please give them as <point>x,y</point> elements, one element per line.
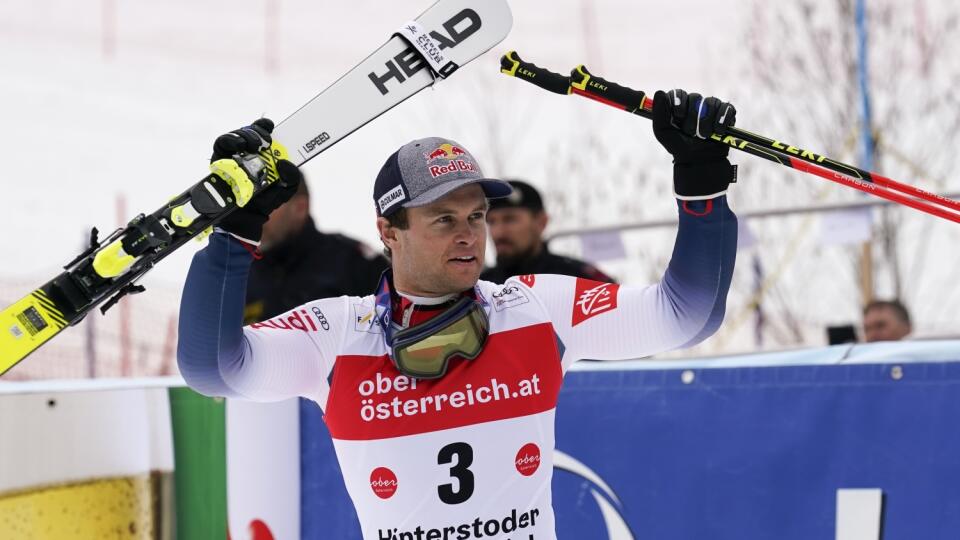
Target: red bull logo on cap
<point>445,151</point>
<point>456,165</point>
<point>450,153</point>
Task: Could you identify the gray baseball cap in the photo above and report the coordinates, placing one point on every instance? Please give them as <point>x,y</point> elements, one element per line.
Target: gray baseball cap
<point>425,170</point>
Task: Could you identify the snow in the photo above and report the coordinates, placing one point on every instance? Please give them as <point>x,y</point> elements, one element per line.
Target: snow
<point>99,105</point>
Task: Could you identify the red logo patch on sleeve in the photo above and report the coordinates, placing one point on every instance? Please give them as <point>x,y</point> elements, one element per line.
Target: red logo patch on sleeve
<point>528,280</point>
<point>591,298</point>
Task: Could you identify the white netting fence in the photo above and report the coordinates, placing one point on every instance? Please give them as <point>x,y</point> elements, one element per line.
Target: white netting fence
<point>136,338</point>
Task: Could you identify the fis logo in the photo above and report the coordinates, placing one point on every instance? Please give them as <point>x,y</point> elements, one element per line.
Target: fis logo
<point>365,319</point>
<point>444,151</point>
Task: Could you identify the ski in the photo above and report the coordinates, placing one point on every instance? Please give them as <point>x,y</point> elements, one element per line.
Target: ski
<point>448,35</point>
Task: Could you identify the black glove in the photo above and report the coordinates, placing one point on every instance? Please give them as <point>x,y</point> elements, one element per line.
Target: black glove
<point>683,123</point>
<point>247,222</point>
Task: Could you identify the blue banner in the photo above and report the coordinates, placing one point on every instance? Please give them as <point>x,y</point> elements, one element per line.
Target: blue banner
<point>760,453</point>
<point>326,511</point>
<point>745,453</point>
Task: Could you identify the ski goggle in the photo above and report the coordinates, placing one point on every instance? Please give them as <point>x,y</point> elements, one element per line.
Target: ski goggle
<point>424,351</point>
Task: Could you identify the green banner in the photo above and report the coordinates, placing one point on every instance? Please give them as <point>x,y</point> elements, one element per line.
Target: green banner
<point>200,470</point>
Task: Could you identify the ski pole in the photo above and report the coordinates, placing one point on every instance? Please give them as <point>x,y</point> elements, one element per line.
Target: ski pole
<point>636,102</point>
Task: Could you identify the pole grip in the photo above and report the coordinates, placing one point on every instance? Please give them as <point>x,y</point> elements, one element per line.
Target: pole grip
<point>511,64</point>
<point>633,101</point>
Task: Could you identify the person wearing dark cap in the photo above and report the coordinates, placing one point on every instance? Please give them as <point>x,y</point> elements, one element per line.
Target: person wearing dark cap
<point>516,224</point>
<point>440,389</point>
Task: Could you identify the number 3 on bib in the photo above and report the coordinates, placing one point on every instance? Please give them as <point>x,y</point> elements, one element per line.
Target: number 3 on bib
<point>463,453</point>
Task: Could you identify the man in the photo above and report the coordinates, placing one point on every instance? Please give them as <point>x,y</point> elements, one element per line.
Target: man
<point>439,390</point>
<point>300,263</point>
<point>516,225</point>
<point>885,320</point>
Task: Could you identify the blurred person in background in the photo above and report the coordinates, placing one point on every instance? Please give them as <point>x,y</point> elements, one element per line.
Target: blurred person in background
<point>886,320</point>
<point>516,225</point>
<point>299,263</point>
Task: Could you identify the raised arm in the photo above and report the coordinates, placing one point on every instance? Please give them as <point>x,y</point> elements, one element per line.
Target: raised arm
<point>265,362</point>
<point>606,321</point>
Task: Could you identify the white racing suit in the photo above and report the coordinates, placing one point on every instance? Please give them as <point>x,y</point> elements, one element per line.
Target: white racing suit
<point>469,455</point>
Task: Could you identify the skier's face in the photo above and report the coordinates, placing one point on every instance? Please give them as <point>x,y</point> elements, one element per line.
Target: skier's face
<point>441,252</point>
